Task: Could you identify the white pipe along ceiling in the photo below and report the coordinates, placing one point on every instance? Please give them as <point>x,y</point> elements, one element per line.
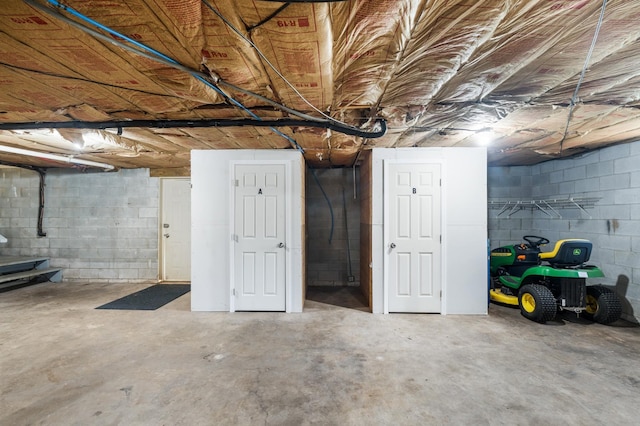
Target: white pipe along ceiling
<point>140,83</point>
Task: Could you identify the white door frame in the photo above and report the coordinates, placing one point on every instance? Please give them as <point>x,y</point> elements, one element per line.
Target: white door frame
<point>288,226</point>
<point>385,230</point>
<point>161,244</point>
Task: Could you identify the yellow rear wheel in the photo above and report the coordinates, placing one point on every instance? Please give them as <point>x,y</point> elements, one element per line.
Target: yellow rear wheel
<point>528,302</point>
<point>603,305</point>
<point>592,305</point>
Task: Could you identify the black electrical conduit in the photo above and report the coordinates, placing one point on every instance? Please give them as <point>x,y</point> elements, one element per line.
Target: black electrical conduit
<point>148,53</point>
<point>143,50</point>
<point>167,124</point>
<point>326,197</point>
<point>308,119</point>
<point>350,277</point>
<point>270,17</point>
<point>42,173</point>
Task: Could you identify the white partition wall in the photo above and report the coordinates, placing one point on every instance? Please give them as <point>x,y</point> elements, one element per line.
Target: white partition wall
<point>428,230</point>
<point>241,257</point>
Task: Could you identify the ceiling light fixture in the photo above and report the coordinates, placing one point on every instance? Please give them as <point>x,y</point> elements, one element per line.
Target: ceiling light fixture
<point>484,137</point>
<point>54,157</point>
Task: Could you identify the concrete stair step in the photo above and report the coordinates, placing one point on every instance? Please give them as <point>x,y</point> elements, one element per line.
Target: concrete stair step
<point>15,270</point>
<point>21,263</point>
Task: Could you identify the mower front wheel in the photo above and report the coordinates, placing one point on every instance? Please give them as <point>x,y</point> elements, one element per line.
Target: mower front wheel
<point>603,305</point>
<point>537,303</point>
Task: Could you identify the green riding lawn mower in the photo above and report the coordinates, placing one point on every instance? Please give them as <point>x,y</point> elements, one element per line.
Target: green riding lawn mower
<point>543,283</point>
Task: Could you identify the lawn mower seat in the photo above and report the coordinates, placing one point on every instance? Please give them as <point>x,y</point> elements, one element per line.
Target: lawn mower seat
<point>571,252</point>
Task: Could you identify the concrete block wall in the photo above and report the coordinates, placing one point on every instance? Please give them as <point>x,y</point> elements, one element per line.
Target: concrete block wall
<point>612,175</point>
<point>101,227</point>
<point>508,183</point>
<point>328,262</point>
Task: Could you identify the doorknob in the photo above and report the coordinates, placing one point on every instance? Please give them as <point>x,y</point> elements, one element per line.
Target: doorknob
<point>166,235</point>
<point>281,245</point>
<point>392,245</point>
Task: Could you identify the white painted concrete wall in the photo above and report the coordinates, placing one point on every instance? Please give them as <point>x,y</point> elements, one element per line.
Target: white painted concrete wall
<point>464,227</point>
<point>101,227</point>
<point>613,224</point>
<point>212,189</point>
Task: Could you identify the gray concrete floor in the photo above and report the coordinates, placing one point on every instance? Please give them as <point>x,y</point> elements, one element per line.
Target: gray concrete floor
<point>65,363</point>
<point>344,296</point>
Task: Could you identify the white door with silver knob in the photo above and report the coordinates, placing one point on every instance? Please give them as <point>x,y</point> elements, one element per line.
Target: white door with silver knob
<point>413,232</point>
<point>259,237</point>
<point>175,222</point>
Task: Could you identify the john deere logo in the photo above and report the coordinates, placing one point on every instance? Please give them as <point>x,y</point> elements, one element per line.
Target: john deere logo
<point>576,252</point>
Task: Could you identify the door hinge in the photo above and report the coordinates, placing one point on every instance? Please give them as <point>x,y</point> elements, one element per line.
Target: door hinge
<point>440,294</point>
<point>236,182</point>
<point>234,237</point>
<point>440,182</point>
<point>234,291</point>
<point>440,239</point>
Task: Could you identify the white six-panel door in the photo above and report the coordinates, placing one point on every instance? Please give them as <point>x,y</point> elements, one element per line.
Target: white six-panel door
<point>259,239</point>
<point>413,243</point>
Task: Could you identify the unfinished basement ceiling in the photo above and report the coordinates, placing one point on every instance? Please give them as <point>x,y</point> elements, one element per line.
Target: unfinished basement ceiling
<point>437,73</point>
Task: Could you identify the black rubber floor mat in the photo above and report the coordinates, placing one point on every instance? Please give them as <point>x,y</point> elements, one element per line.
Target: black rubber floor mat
<point>150,298</point>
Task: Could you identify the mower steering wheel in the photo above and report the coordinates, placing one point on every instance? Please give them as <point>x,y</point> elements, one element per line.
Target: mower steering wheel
<point>535,241</point>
